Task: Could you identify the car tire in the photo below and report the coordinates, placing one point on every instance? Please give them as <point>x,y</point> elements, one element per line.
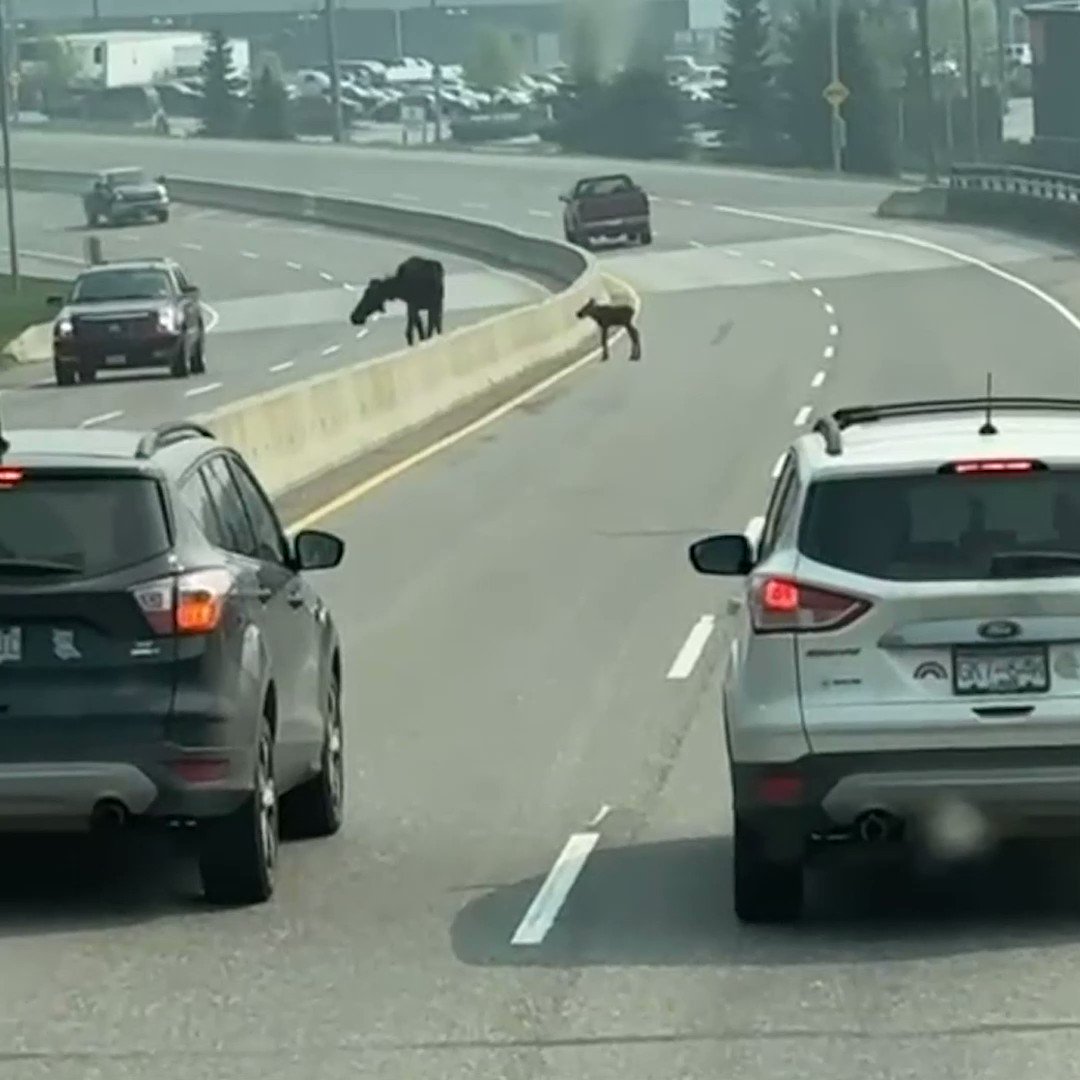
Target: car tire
<point>65,374</point>
<point>645,236</point>
<point>766,890</point>
<point>163,216</point>
<point>238,853</point>
<point>198,359</point>
<point>86,374</point>
<point>317,807</point>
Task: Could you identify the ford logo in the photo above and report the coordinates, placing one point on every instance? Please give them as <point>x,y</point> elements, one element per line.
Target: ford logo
<point>999,629</point>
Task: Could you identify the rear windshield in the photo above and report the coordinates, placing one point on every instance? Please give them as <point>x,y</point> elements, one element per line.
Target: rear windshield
<point>605,185</point>
<point>95,525</point>
<point>941,527</point>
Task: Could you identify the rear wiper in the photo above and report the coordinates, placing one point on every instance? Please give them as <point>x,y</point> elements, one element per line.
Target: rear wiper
<point>36,566</point>
<point>1035,564</point>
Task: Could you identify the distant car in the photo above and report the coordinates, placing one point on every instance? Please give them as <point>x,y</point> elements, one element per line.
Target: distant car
<point>601,207</point>
<point>138,314</point>
<point>120,196</point>
<point>164,658</point>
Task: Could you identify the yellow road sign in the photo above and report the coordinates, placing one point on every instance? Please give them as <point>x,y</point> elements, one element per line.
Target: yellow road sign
<point>836,93</point>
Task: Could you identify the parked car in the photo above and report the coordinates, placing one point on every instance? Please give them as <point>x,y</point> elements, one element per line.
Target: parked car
<point>601,207</point>
<point>165,659</point>
<point>120,196</point>
<point>139,314</point>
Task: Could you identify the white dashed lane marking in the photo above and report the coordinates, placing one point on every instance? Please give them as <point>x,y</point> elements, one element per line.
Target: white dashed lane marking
<point>802,416</point>
<point>104,418</point>
<point>817,380</point>
<point>545,907</point>
<point>686,658</point>
<point>197,391</point>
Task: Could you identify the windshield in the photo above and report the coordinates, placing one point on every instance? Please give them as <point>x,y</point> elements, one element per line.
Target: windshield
<point>92,525</point>
<point>103,285</point>
<point>934,527</point>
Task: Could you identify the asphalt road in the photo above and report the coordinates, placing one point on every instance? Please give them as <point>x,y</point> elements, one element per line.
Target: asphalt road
<point>278,296</point>
<point>516,614</point>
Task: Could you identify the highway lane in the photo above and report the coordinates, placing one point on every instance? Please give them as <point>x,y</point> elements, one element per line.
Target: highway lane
<point>512,613</point>
<point>278,296</point>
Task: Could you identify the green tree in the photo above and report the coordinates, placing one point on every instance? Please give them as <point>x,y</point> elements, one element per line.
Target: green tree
<point>47,78</point>
<point>269,116</point>
<point>584,42</point>
<point>494,60</point>
<point>221,109</point>
<point>867,114</point>
<point>750,108</point>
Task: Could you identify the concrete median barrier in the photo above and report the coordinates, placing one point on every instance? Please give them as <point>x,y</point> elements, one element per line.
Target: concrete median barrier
<point>299,431</point>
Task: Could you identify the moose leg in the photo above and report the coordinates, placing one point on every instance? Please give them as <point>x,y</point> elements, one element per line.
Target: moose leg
<point>412,324</point>
<point>437,317</point>
<point>604,331</point>
<point>635,341</point>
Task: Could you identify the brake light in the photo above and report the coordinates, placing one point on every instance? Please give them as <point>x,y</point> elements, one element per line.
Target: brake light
<point>995,467</point>
<point>779,604</point>
<point>9,477</point>
<point>189,603</point>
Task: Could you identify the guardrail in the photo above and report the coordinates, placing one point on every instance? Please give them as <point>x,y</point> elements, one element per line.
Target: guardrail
<point>1014,195</point>
<point>299,431</point>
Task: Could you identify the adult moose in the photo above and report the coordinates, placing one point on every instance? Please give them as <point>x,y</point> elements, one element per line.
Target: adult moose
<point>420,284</point>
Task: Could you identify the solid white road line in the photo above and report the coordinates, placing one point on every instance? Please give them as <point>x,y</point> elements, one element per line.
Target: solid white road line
<point>213,317</point>
<point>817,380</point>
<point>284,366</point>
<point>779,465</point>
<point>545,907</point>
<point>104,418</point>
<point>687,657</point>
<point>802,416</point>
<point>196,391</point>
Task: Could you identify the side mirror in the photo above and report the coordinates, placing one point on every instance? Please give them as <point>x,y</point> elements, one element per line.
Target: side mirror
<point>160,180</point>
<point>728,555</point>
<point>318,550</point>
<point>55,301</point>
<point>564,198</point>
<point>191,290</point>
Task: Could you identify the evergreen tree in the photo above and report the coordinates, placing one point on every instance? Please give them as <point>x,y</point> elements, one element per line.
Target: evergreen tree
<point>869,120</point>
<point>221,110</point>
<point>269,117</point>
<point>750,115</point>
<point>494,60</point>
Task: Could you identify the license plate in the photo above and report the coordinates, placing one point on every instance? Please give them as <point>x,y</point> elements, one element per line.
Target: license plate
<point>1018,670</point>
<point>10,644</point>
<point>116,360</point>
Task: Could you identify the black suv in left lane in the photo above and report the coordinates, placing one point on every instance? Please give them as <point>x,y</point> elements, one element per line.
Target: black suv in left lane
<point>136,314</point>
<point>162,655</point>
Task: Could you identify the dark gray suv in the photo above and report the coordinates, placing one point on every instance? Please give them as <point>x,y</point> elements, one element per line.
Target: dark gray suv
<point>162,656</point>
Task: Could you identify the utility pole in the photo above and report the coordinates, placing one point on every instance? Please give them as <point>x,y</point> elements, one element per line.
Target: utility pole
<point>5,128</point>
<point>1003,74</point>
<point>969,79</point>
<point>836,123</point>
<point>922,17</point>
<point>437,86</point>
<point>335,75</point>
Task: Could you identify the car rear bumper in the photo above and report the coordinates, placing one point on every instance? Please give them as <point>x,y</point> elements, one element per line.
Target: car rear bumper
<point>136,210</point>
<point>1018,792</point>
<point>42,795</point>
<point>614,226</point>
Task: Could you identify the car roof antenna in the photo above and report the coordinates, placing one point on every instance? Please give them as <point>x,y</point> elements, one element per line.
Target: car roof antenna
<point>988,424</point>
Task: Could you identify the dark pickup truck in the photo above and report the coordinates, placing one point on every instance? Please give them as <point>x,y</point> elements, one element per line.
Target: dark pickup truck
<point>606,207</point>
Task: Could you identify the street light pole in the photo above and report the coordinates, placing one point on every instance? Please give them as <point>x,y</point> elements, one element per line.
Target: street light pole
<point>5,129</point>
<point>437,85</point>
<point>969,79</point>
<point>335,75</point>
<point>922,17</point>
<point>835,121</point>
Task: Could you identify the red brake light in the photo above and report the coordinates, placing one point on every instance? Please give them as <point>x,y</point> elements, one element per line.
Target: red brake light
<point>994,466</point>
<point>9,477</point>
<point>780,604</point>
<point>188,604</point>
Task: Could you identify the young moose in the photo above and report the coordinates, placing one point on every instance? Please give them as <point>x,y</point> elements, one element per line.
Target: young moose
<point>610,316</point>
<point>419,283</point>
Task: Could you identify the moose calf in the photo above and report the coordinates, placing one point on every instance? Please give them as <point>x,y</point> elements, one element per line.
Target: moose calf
<point>610,316</point>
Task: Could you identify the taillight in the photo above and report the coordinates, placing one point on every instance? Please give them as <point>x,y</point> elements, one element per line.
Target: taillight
<point>993,467</point>
<point>186,604</point>
<point>780,604</point>
<point>9,477</point>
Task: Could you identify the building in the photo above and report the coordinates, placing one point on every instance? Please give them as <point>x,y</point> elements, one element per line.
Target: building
<point>366,29</point>
<point>1054,30</point>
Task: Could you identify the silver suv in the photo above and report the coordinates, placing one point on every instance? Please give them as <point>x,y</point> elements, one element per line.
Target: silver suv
<point>905,656</point>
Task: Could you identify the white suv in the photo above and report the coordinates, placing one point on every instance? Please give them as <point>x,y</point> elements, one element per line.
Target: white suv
<point>905,659</point>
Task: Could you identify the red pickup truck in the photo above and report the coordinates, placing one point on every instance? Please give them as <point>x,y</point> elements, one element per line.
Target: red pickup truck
<point>606,206</point>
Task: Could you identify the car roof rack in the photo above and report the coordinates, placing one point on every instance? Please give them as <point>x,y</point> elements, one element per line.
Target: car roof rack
<point>831,427</point>
<point>172,431</point>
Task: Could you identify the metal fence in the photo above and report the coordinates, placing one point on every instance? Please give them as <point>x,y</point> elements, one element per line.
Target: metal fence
<point>1016,182</point>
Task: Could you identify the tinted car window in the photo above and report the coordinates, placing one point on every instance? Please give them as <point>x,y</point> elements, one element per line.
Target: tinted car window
<point>97,525</point>
<point>106,285</point>
<point>196,498</point>
<point>270,544</point>
<point>934,527</point>
<point>236,528</point>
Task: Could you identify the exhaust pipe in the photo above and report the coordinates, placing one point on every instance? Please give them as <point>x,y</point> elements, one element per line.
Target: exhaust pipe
<point>877,826</point>
<point>109,815</point>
